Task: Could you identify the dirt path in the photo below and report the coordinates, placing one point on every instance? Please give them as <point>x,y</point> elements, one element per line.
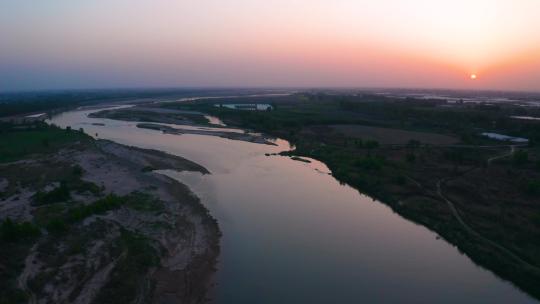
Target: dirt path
<point>462,222</point>
<point>512,150</point>
<point>469,229</point>
<point>29,270</point>
<point>477,234</point>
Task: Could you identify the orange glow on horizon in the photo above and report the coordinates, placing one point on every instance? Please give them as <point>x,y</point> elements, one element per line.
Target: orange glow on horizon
<point>420,43</point>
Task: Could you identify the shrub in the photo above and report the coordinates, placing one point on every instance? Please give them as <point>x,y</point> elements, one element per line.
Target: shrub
<point>371,144</point>
<point>369,163</point>
<point>81,186</point>
<point>56,226</point>
<point>59,194</point>
<point>413,143</point>
<point>77,171</point>
<point>399,180</point>
<point>100,206</point>
<point>521,157</point>
<point>11,231</point>
<point>126,277</point>
<point>533,187</point>
<point>411,158</point>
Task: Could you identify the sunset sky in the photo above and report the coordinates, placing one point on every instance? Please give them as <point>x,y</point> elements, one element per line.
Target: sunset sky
<point>347,43</point>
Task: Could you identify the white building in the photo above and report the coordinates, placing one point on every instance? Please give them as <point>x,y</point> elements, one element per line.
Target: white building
<point>246,106</point>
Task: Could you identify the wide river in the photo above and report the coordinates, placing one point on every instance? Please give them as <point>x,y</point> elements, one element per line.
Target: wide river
<point>293,234</point>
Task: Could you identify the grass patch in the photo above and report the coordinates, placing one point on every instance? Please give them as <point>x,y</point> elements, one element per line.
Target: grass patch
<point>143,202</point>
<point>59,224</point>
<point>62,193</point>
<point>58,194</point>
<point>43,214</point>
<point>12,232</point>
<point>101,206</point>
<point>19,141</point>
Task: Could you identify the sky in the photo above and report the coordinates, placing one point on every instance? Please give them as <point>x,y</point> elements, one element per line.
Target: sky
<point>65,44</point>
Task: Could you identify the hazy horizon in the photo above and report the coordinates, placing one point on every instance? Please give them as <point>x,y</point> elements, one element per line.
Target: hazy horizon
<point>259,89</point>
<point>283,44</point>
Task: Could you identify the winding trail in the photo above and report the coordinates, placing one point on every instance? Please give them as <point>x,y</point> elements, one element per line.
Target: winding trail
<point>28,272</point>
<point>512,150</point>
<point>475,233</point>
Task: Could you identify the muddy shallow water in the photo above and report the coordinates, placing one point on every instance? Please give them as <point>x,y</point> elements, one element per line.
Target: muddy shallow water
<point>293,234</point>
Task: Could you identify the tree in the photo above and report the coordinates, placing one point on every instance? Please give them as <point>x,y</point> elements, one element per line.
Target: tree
<point>533,187</point>
<point>370,145</point>
<point>77,170</point>
<point>413,144</point>
<point>11,231</point>
<point>521,157</point>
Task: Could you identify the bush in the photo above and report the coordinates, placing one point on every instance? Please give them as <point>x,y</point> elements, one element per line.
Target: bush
<point>11,231</point>
<point>57,226</point>
<point>101,206</point>
<point>81,186</point>
<point>411,158</point>
<point>371,144</point>
<point>369,163</point>
<point>77,171</point>
<point>533,187</point>
<point>413,144</point>
<point>399,180</point>
<point>56,195</point>
<point>521,157</point>
<point>126,277</point>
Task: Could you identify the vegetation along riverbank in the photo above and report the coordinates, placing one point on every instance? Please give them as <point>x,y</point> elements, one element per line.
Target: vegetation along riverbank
<point>88,221</point>
<point>427,160</point>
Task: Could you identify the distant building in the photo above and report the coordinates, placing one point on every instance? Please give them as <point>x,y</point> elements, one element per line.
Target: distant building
<point>246,106</point>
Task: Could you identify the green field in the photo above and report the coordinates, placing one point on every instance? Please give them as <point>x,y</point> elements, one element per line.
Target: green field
<point>393,136</point>
<point>20,141</point>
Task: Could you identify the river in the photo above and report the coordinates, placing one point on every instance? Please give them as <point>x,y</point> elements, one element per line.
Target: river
<point>293,234</point>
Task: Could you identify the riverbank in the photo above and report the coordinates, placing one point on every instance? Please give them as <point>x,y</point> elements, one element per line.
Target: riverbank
<point>399,166</point>
<point>89,221</point>
<point>397,151</point>
<point>292,238</point>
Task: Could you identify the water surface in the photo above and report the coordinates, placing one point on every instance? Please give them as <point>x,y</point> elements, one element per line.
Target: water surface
<point>293,234</point>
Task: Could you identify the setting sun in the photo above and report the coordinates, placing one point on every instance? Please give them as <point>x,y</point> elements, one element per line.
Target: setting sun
<point>260,43</point>
<point>473,76</point>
